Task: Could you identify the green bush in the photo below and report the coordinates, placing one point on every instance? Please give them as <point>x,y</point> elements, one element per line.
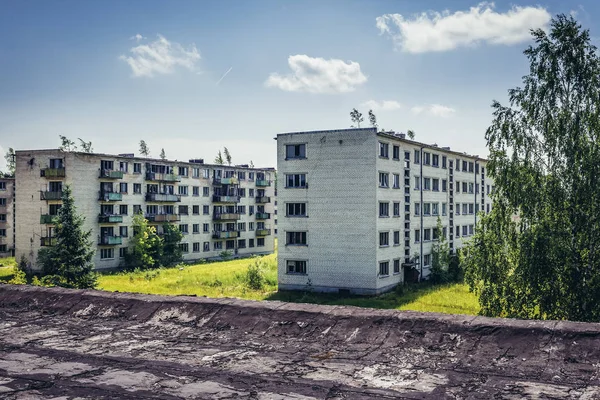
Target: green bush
<point>254,276</point>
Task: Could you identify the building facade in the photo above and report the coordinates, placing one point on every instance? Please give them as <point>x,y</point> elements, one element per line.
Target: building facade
<point>217,208</point>
<point>7,217</point>
<point>359,207</point>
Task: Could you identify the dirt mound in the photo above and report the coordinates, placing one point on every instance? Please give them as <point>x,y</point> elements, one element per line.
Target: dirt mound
<point>58,342</point>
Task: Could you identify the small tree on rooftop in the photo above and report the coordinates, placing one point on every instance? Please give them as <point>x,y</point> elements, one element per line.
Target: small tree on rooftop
<point>356,118</point>
<point>372,119</point>
<point>10,161</point>
<point>67,144</point>
<point>227,155</point>
<point>219,158</point>
<point>144,150</point>
<point>86,147</point>
<point>163,156</point>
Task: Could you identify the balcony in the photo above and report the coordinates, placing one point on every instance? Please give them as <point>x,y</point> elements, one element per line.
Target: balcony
<point>155,176</point>
<point>226,217</point>
<point>110,219</point>
<point>225,181</point>
<point>110,196</point>
<point>263,232</point>
<point>110,174</point>
<point>53,172</point>
<point>47,219</point>
<point>164,197</point>
<point>225,199</point>
<point>108,240</point>
<point>263,215</point>
<point>47,241</point>
<point>262,183</point>
<point>263,200</point>
<point>163,217</point>
<point>225,234</point>
<point>45,195</point>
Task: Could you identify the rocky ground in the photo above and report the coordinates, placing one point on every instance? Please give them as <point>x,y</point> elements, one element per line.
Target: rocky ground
<point>64,344</point>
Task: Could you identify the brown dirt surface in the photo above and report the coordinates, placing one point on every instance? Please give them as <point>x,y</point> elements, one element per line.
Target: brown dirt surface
<point>67,344</point>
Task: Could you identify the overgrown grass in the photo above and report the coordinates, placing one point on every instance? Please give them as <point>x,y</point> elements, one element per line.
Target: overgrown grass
<point>7,268</point>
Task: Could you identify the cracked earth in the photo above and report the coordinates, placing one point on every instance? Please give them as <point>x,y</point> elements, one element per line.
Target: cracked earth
<point>73,344</point>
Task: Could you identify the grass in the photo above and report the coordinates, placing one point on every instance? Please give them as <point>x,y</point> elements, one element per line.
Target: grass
<point>7,268</point>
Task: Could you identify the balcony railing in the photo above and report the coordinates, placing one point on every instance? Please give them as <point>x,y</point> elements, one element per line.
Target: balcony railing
<point>263,232</point>
<point>163,217</point>
<point>111,174</point>
<point>47,241</point>
<point>155,176</point>
<point>166,197</point>
<point>225,181</point>
<point>263,215</point>
<point>226,216</point>
<point>47,219</point>
<point>53,172</point>
<point>263,200</point>
<point>225,234</point>
<point>109,218</point>
<point>110,196</point>
<point>108,240</point>
<point>46,195</point>
<point>262,183</point>
<point>225,199</point>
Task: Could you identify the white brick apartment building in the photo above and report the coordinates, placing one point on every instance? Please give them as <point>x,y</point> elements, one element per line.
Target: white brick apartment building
<point>358,206</point>
<point>7,217</point>
<point>217,208</point>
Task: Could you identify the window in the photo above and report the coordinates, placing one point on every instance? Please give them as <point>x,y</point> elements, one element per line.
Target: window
<point>218,246</point>
<point>464,187</point>
<point>206,173</point>
<point>426,234</point>
<point>3,232</point>
<point>296,238</point>
<point>444,207</point>
<point>183,228</point>
<point>137,188</point>
<point>296,267</point>
<point>457,187</point>
<point>251,178</point>
<point>457,231</point>
<point>471,167</point>
<point>435,160</point>
<point>2,217</point>
<point>465,166</point>
<point>417,209</point>
<point>205,210</point>
<point>471,229</point>
<point>184,247</point>
<point>107,165</point>
<point>122,252</point>
<point>230,244</point>
<point>396,152</point>
<point>196,247</point>
<point>488,189</point>
<point>384,180</point>
<point>196,228</point>
<point>457,208</point>
<point>250,192</point>
<point>250,226</point>
<point>417,182</point>
<point>396,181</point>
<point>471,187</point>
<point>435,210</point>
<point>183,210</point>
<point>137,168</point>
<point>426,208</point>
<point>242,192</point>
<point>487,208</point>
<point>417,157</point>
<point>242,209</point>
<point>444,160</point>
<point>396,238</point>
<point>53,209</point>
<point>205,228</point>
<point>183,190</point>
<point>384,239</point>
<point>426,158</point>
<point>241,243</point>
<point>206,246</point>
<point>384,150</point>
<point>183,171</point>
<point>384,209</point>
<point>396,209</point>
<point>195,210</point>
<point>444,185</point>
<point>435,184</point>
<point>250,242</point>
<point>435,233</point>
<point>123,231</point>
<point>137,209</point>
<point>123,187</point>
<point>295,209</point>
<point>295,151</point>
<point>426,183</point>
<point>295,180</point>
<point>3,201</point>
<point>397,266</point>
<point>196,190</point>
<point>427,260</point>
<point>471,208</point>
<point>444,234</point>
<point>384,268</point>
<point>242,175</point>
<point>196,174</point>
<point>106,254</point>
<point>260,242</point>
<point>465,208</point>
<point>417,236</point>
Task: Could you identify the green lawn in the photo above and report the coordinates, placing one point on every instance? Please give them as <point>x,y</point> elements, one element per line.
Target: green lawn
<point>6,268</point>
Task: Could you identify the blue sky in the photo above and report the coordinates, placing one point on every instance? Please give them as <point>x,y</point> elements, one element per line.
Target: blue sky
<point>115,72</point>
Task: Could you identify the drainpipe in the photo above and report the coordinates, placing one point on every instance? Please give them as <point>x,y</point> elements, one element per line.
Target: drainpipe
<point>421,214</point>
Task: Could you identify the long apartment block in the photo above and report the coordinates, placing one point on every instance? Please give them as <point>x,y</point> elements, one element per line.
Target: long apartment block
<point>359,207</point>
<point>7,217</point>
<point>217,208</point>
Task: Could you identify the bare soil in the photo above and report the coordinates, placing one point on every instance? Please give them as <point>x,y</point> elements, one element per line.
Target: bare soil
<point>66,344</point>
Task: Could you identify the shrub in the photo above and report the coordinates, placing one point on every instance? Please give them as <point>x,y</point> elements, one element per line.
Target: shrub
<point>254,276</point>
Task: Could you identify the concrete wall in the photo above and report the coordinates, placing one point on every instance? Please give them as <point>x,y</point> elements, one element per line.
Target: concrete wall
<point>7,221</point>
<point>83,174</point>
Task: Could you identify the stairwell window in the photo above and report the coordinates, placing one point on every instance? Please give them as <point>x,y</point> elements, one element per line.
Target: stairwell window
<point>295,180</point>
<point>296,210</point>
<point>417,156</point>
<point>384,209</point>
<point>296,239</point>
<point>295,151</point>
<point>384,180</point>
<point>444,161</point>
<point>384,239</point>
<point>396,152</point>
<point>444,185</point>
<point>297,267</point>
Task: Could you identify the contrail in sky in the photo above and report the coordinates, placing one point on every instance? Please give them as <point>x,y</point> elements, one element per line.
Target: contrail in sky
<point>224,75</point>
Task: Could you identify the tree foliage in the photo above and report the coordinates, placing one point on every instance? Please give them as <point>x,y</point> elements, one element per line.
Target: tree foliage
<point>68,263</point>
<point>171,253</point>
<point>144,150</point>
<point>219,158</point>
<point>66,144</point>
<point>227,155</point>
<point>411,134</point>
<point>145,247</point>
<point>356,117</point>
<point>544,152</point>
<point>372,119</point>
<point>86,147</point>
<point>163,156</point>
<point>10,161</point>
<point>440,256</point>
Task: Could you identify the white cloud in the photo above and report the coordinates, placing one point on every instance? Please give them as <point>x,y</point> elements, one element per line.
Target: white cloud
<point>317,75</point>
<point>137,37</point>
<point>384,105</point>
<point>434,31</point>
<point>160,57</point>
<point>436,110</point>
